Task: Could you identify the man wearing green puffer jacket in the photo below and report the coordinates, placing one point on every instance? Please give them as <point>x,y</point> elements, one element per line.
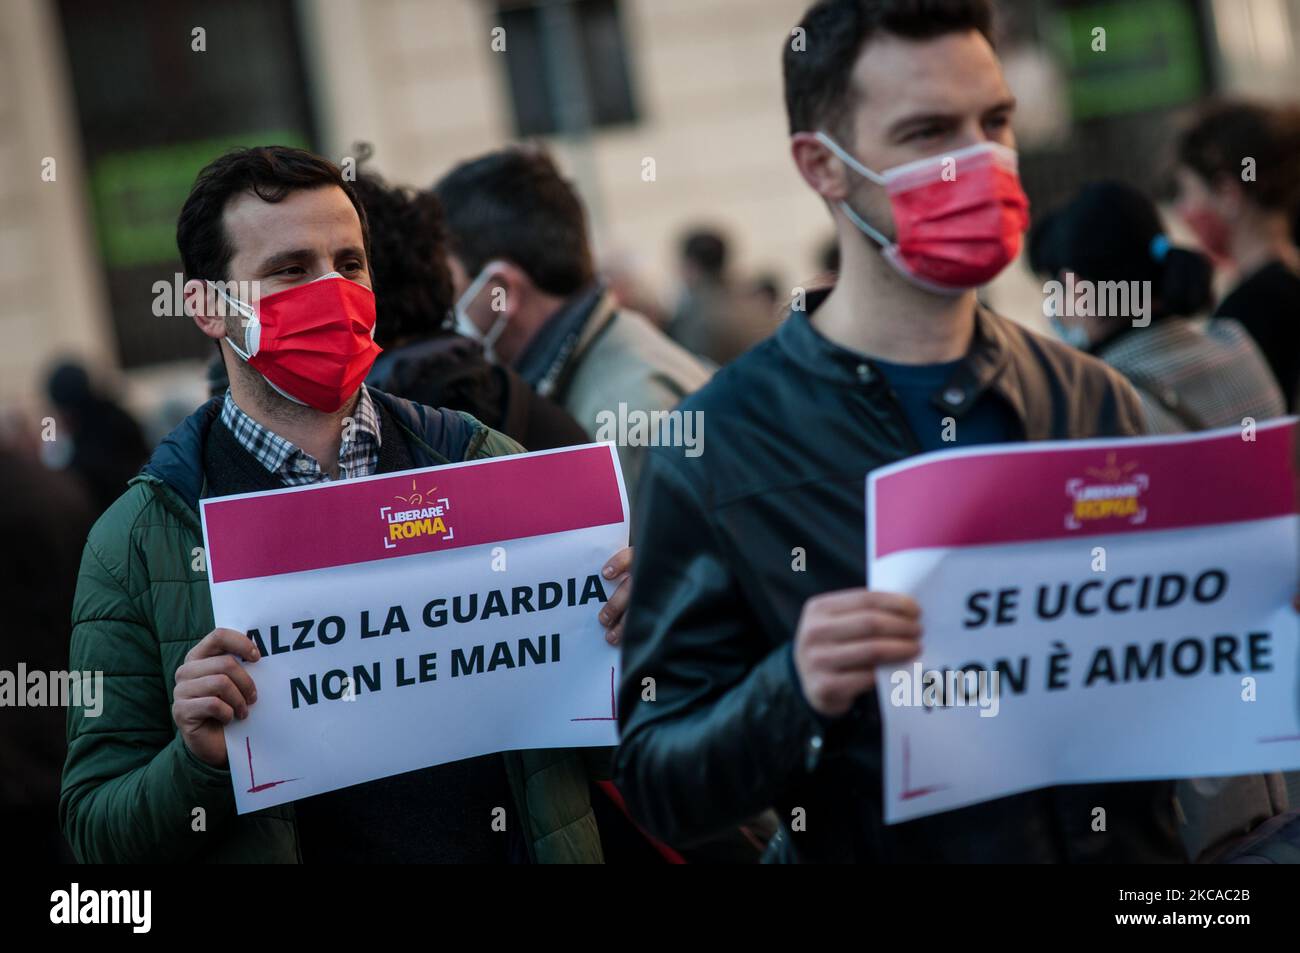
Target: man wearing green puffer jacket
<point>147,779</point>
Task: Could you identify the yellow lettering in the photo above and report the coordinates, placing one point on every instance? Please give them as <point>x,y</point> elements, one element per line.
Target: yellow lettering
<point>1101,509</point>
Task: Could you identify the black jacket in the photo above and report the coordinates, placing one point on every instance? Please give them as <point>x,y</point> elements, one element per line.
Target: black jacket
<point>794,426</point>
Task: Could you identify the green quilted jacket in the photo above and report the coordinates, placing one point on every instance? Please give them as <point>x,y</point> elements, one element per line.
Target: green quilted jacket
<point>132,792</point>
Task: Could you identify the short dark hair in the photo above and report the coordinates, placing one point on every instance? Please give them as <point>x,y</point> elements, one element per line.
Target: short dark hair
<point>514,204</point>
<point>818,91</point>
<point>1226,131</point>
<point>707,250</point>
<point>270,173</point>
<point>408,263</point>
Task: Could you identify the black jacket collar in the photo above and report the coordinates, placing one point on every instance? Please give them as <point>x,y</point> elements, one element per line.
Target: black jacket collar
<point>985,365</point>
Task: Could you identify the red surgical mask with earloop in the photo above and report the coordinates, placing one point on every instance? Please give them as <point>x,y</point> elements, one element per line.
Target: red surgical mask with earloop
<point>315,343</point>
<point>958,217</point>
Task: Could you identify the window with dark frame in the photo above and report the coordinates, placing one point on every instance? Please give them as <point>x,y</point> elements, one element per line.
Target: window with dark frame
<point>554,56</point>
<point>152,110</point>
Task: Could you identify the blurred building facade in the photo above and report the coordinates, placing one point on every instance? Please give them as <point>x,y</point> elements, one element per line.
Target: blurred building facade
<point>668,113</point>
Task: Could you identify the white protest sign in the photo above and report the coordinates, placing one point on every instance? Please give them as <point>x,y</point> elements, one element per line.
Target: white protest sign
<point>1122,609</point>
<point>418,618</point>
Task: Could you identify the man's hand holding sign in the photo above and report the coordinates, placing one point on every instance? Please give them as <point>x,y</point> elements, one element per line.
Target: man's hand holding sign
<point>843,637</point>
<point>212,690</point>
<point>384,638</point>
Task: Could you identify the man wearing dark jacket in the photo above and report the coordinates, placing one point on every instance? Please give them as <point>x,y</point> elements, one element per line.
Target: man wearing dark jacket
<point>526,287</point>
<point>751,644</point>
<point>275,251</point>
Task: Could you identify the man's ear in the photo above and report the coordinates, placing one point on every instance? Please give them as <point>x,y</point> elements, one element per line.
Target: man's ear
<point>509,289</point>
<point>200,306</point>
<point>820,168</point>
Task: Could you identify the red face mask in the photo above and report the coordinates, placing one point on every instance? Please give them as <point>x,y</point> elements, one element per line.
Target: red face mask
<point>314,343</point>
<point>958,218</point>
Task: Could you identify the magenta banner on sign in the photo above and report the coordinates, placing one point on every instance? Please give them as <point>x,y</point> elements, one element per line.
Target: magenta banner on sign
<point>382,517</point>
<point>979,496</point>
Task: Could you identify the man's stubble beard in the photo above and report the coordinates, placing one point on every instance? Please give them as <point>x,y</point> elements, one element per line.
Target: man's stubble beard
<point>266,400</point>
<point>269,403</point>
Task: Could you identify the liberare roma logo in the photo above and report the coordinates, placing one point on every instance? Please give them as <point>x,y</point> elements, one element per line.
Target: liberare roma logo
<point>418,514</point>
<point>1112,491</point>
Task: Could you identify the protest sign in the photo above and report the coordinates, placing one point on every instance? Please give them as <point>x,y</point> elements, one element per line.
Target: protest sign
<point>413,619</point>
<point>1120,609</point>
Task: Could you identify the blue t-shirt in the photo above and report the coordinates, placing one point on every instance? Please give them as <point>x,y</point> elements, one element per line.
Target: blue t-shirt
<point>920,390</point>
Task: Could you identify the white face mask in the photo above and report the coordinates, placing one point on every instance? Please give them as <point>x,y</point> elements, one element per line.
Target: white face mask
<point>1072,333</point>
<point>252,327</point>
<point>1075,335</point>
<point>57,454</point>
<point>465,325</point>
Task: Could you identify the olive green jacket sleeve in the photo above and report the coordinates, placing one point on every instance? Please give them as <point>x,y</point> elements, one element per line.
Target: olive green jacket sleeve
<point>130,786</point>
<point>489,443</point>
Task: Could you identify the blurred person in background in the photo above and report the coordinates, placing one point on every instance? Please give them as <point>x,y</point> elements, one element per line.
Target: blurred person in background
<point>765,678</point>
<point>717,316</point>
<point>424,359</point>
<point>518,234</point>
<point>704,317</point>
<point>526,288</point>
<point>1191,375</point>
<point>44,519</point>
<point>624,274</point>
<point>765,300</point>
<point>1238,181</point>
<point>100,443</point>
